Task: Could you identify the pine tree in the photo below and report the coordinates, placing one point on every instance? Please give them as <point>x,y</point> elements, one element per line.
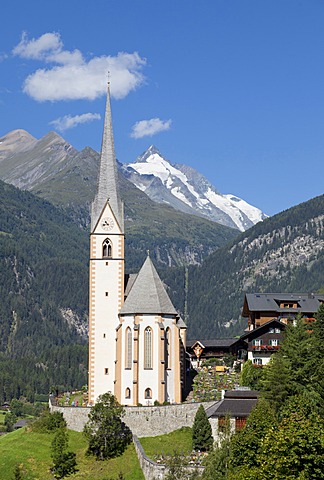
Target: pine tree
<point>275,385</point>
<point>315,359</point>
<point>202,438</point>
<point>64,462</point>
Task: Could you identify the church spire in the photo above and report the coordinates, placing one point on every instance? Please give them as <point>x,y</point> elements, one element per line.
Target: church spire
<point>107,188</point>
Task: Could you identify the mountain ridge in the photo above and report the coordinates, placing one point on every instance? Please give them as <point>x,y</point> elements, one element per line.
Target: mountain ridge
<point>186,189</point>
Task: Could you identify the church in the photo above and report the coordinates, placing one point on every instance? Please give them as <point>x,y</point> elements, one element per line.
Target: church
<point>136,337</point>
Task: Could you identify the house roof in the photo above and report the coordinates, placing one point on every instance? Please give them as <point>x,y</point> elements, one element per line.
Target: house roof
<point>147,294</point>
<point>218,343</point>
<point>256,332</point>
<point>20,423</point>
<point>236,403</point>
<point>306,303</point>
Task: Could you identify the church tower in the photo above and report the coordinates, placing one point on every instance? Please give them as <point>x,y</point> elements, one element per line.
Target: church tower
<point>136,337</point>
<point>106,284</point>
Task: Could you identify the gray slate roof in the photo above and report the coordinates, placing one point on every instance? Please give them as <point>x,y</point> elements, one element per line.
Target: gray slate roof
<point>265,326</point>
<point>223,342</point>
<point>147,294</point>
<point>308,303</point>
<point>237,403</point>
<point>108,188</point>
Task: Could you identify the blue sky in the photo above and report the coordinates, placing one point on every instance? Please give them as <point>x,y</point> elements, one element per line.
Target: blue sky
<point>233,88</point>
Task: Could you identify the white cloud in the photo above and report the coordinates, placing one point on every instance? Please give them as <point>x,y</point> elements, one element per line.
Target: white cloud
<point>38,48</point>
<point>71,77</point>
<point>65,123</point>
<point>150,127</point>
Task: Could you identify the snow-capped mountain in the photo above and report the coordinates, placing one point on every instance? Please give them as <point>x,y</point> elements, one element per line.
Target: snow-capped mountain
<point>187,190</point>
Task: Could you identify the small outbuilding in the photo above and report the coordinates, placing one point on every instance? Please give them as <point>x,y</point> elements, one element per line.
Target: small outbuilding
<point>235,406</point>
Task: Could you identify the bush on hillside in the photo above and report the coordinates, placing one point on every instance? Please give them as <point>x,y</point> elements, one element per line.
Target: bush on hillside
<point>49,422</point>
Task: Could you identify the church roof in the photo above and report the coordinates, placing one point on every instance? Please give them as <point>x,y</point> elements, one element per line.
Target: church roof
<point>107,188</point>
<point>147,294</point>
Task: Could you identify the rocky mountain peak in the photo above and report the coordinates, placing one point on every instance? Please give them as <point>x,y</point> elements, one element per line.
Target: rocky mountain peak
<point>152,150</point>
<point>187,190</point>
<point>16,141</point>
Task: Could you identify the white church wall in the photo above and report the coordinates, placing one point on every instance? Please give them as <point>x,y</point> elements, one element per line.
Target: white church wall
<point>127,374</point>
<point>149,378</point>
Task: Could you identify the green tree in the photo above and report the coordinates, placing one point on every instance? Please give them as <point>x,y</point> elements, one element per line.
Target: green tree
<point>9,421</point>
<point>315,358</point>
<point>17,407</point>
<point>246,444</point>
<point>202,438</point>
<point>276,381</point>
<point>49,422</point>
<point>294,450</point>
<point>64,462</point>
<point>107,434</point>
<point>251,375</point>
<point>295,351</point>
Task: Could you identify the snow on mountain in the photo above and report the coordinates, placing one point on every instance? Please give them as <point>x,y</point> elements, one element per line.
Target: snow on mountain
<point>187,190</point>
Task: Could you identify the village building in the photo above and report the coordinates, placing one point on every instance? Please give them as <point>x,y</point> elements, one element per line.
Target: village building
<point>263,341</point>
<point>231,412</point>
<point>136,337</point>
<point>200,350</point>
<point>268,314</point>
<point>259,308</point>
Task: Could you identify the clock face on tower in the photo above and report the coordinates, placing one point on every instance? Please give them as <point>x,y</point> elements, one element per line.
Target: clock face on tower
<point>107,223</point>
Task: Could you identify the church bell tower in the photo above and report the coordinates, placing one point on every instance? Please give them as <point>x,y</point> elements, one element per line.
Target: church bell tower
<point>106,284</point>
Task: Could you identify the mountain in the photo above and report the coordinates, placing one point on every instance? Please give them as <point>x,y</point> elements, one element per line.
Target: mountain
<point>44,291</point>
<point>52,169</point>
<point>187,190</point>
<point>285,253</point>
<point>44,280</point>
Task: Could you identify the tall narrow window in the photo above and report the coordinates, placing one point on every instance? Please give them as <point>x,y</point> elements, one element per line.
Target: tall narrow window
<point>168,348</point>
<point>127,393</point>
<point>128,349</point>
<point>107,248</point>
<point>148,348</point>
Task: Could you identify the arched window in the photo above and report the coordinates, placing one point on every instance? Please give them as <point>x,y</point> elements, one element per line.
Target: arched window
<point>148,393</point>
<point>148,348</point>
<point>107,249</point>
<point>127,393</point>
<point>168,348</point>
<point>128,348</point>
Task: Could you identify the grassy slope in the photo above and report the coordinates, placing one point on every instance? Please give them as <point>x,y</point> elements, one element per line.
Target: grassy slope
<point>178,441</point>
<point>33,451</point>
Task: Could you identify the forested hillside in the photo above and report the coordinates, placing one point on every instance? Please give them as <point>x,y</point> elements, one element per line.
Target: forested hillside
<point>44,283</point>
<point>284,253</point>
<point>43,279</point>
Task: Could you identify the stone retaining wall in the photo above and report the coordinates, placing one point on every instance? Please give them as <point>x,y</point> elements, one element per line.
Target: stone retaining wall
<point>143,421</point>
<point>152,470</point>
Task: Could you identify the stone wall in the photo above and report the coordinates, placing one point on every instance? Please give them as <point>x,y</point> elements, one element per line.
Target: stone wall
<point>152,470</point>
<point>143,421</point>
<point>159,420</point>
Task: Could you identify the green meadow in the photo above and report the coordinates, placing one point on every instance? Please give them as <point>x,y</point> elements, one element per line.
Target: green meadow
<point>33,451</point>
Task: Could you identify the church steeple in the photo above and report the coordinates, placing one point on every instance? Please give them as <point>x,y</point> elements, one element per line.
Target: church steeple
<point>107,188</point>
